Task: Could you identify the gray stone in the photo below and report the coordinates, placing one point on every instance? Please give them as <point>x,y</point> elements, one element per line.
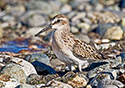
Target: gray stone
<point>65,9</point>
<point>84,38</point>
<point>8,18</point>
<point>33,18</point>
<point>42,6</point>
<point>15,10</point>
<point>36,20</point>
<point>38,57</point>
<point>57,84</point>
<point>107,83</point>
<point>122,55</point>
<point>15,71</point>
<point>97,67</point>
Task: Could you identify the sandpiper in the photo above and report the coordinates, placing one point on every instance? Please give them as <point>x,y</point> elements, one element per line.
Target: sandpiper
<point>67,47</point>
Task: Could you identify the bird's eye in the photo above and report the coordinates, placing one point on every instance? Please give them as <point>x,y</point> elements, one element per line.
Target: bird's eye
<point>58,20</point>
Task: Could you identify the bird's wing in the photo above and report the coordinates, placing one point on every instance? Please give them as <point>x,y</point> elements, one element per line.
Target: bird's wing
<point>82,50</point>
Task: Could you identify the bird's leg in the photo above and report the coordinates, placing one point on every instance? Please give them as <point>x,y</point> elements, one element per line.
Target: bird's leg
<point>82,64</point>
<point>71,67</point>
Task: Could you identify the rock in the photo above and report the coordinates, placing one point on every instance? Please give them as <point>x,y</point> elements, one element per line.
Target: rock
<point>36,20</point>
<point>1,32</point>
<point>26,86</point>
<point>78,16</point>
<point>115,62</point>
<point>33,18</point>
<point>55,5</point>
<point>78,81</point>
<point>38,57</point>
<point>43,68</point>
<point>33,31</point>
<point>107,83</point>
<point>96,67</point>
<point>26,66</point>
<point>114,33</point>
<point>9,84</point>
<point>122,4</point>
<point>33,79</point>
<point>122,78</point>
<point>57,64</point>
<point>15,10</point>
<point>8,18</point>
<point>42,6</point>
<point>123,22</point>
<point>84,38</point>
<point>122,55</point>
<point>84,26</point>
<point>14,71</point>
<point>105,46</point>
<point>74,29</point>
<point>65,9</point>
<point>57,84</point>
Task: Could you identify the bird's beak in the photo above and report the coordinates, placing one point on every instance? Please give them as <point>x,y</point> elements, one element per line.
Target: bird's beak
<point>44,29</point>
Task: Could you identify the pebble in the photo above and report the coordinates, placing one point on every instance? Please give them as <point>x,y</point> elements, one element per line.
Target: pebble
<point>1,32</point>
<point>84,26</point>
<point>107,83</point>
<point>38,57</point>
<point>65,9</point>
<point>74,29</point>
<point>42,68</point>
<point>17,10</point>
<point>84,37</point>
<point>57,84</point>
<point>14,71</point>
<point>42,6</point>
<point>78,81</point>
<point>78,16</point>
<point>114,33</point>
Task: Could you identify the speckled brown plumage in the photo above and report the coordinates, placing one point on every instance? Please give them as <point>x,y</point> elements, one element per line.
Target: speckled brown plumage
<point>67,47</point>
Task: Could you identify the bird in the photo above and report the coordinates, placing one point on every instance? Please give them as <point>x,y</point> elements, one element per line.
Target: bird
<point>67,47</point>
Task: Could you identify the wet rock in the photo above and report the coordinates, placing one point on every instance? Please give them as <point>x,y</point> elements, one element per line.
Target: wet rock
<point>38,57</point>
<point>65,9</point>
<point>114,33</point>
<point>107,83</point>
<point>43,68</point>
<point>122,55</point>
<point>42,6</point>
<point>15,10</point>
<point>14,71</point>
<point>122,4</point>
<point>26,86</point>
<point>54,84</point>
